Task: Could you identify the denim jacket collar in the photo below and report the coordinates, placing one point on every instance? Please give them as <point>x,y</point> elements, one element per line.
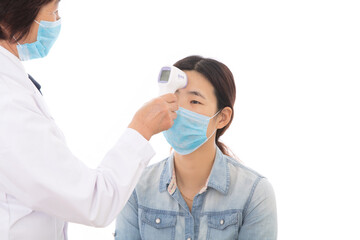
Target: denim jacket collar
<point>219,176</point>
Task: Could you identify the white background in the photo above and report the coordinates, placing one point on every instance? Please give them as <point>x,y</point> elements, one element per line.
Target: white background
<point>297,113</point>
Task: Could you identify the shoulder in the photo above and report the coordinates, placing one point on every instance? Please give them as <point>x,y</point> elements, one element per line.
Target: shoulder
<point>150,192</point>
<point>239,169</point>
<point>4,88</point>
<point>154,169</point>
<point>20,100</point>
<point>12,72</point>
<point>150,178</point>
<point>247,179</point>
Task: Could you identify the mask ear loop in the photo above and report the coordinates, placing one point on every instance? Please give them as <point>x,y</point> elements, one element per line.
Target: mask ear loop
<point>38,22</point>
<point>209,121</point>
<point>215,114</point>
<point>211,135</point>
<point>16,41</point>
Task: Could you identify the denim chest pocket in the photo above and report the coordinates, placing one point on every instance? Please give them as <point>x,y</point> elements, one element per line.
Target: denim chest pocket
<point>158,225</point>
<point>223,225</point>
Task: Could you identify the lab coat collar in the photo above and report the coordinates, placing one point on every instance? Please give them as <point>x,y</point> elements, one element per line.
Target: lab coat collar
<point>15,69</point>
<point>16,61</point>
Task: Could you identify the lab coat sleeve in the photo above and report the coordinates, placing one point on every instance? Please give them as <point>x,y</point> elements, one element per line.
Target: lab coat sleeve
<point>38,169</point>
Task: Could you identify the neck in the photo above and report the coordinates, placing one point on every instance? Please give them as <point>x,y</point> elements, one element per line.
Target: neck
<point>193,170</point>
<point>11,47</point>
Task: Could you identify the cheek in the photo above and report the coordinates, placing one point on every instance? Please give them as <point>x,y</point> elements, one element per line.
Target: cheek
<point>53,17</point>
<point>32,36</point>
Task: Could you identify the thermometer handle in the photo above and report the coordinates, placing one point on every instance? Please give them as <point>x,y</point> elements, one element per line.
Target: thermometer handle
<point>164,90</point>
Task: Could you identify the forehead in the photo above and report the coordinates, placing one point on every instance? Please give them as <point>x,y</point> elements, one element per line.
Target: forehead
<point>51,4</point>
<point>197,81</point>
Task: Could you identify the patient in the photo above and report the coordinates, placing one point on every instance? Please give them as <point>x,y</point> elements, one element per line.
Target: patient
<point>200,191</point>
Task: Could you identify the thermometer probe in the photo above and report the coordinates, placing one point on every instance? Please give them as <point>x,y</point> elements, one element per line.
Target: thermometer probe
<point>171,79</point>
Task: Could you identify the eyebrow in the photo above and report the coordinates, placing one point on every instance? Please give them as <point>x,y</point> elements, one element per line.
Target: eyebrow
<point>196,93</point>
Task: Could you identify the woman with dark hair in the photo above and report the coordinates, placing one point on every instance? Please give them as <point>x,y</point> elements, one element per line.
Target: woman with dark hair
<point>200,191</point>
<point>42,184</point>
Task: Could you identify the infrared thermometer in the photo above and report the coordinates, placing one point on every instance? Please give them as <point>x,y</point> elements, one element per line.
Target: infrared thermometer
<point>171,79</point>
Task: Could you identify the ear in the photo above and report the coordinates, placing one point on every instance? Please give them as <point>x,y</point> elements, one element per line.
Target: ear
<point>224,117</point>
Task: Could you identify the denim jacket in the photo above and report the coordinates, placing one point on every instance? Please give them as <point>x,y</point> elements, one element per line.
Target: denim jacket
<point>238,203</point>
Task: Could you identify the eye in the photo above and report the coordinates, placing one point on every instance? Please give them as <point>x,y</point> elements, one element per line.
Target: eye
<point>195,102</point>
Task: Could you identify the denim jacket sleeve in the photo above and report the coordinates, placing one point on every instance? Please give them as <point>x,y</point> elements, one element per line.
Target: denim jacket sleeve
<point>127,225</point>
<point>260,219</point>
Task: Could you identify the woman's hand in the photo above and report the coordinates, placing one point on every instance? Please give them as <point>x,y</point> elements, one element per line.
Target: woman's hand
<point>155,116</point>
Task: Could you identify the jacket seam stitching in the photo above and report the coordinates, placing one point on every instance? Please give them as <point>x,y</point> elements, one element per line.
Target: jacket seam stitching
<point>250,196</point>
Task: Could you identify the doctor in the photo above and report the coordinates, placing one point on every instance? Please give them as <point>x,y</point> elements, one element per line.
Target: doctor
<point>42,184</point>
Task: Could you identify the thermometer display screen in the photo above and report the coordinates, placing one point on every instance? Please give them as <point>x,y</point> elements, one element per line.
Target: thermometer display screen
<point>165,76</point>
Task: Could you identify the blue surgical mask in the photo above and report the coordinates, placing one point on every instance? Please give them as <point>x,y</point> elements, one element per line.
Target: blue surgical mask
<point>188,132</point>
<point>47,34</point>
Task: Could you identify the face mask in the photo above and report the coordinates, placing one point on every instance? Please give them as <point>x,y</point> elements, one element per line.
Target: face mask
<point>47,34</point>
<point>188,132</point>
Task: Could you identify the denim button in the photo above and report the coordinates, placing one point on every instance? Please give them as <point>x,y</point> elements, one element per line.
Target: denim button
<point>222,221</point>
<point>158,220</point>
<point>188,239</point>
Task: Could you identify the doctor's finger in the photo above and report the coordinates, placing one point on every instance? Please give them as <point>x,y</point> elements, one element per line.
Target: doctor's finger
<point>170,98</point>
<point>173,107</point>
<point>173,115</point>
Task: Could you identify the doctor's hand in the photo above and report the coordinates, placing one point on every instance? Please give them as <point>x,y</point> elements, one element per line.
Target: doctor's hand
<point>155,116</point>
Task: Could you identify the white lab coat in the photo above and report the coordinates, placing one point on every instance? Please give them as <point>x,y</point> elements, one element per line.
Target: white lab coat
<point>42,184</point>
